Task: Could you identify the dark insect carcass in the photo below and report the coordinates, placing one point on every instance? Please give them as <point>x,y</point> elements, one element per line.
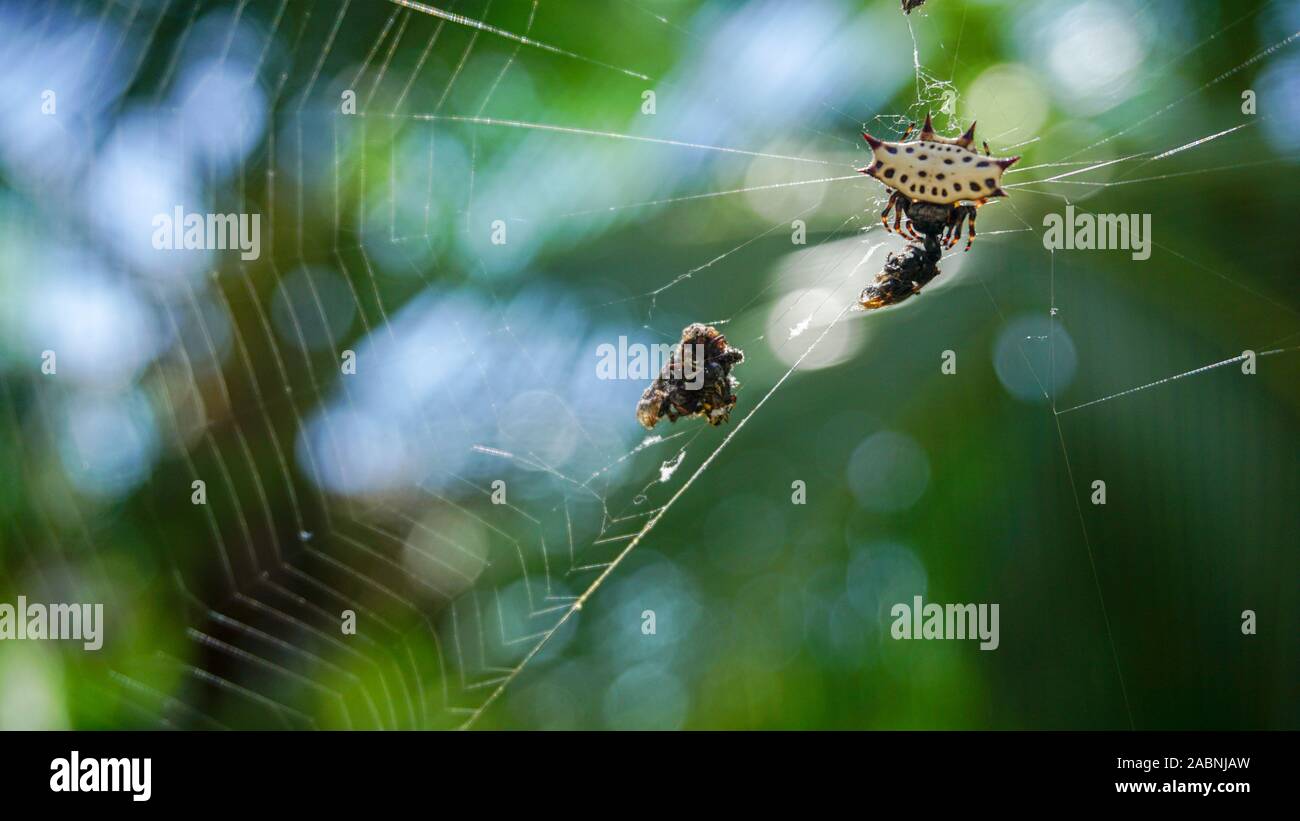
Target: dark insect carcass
<point>696,380</point>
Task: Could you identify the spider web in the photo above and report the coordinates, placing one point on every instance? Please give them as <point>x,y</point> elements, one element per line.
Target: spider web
<point>373,492</point>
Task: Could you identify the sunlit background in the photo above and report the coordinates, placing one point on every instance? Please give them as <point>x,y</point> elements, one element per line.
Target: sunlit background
<point>467,199</point>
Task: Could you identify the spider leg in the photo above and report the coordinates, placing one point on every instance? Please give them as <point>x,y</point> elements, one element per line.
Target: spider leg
<point>889,206</point>
<point>901,226</point>
<point>970,229</point>
<point>910,128</point>
<point>912,231</point>
<point>987,152</point>
<point>951,229</point>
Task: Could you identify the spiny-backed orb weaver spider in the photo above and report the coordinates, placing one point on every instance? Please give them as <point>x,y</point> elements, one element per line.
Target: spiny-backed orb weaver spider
<point>938,182</point>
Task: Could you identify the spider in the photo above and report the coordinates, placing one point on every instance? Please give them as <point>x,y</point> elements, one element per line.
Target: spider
<point>938,183</point>
<point>908,5</point>
<point>679,391</point>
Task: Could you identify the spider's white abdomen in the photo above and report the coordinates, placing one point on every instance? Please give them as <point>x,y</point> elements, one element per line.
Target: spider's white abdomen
<point>938,170</point>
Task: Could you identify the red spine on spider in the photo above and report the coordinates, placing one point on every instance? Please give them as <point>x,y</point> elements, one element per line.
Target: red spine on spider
<point>937,185</point>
